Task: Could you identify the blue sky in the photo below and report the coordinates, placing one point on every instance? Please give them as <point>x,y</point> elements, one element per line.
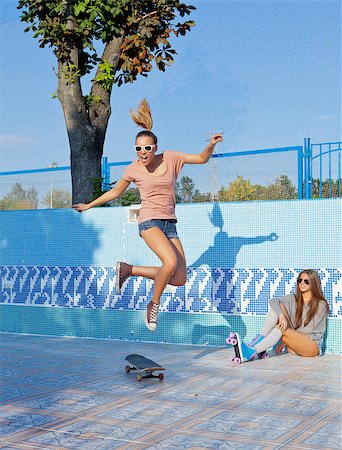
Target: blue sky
<point>268,73</point>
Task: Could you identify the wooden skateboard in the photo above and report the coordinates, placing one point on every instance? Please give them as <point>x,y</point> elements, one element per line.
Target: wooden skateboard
<point>144,366</point>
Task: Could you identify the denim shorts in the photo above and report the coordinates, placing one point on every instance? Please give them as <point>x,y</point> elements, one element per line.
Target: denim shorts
<point>168,227</point>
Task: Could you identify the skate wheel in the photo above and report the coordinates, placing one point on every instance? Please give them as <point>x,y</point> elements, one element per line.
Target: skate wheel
<point>232,359</point>
<point>233,341</point>
<point>161,377</point>
<point>232,335</point>
<point>237,361</point>
<point>265,355</point>
<point>228,341</point>
<point>127,369</point>
<point>139,377</point>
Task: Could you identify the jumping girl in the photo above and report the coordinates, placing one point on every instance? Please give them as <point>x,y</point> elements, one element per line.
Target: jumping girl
<point>155,176</point>
<point>298,320</point>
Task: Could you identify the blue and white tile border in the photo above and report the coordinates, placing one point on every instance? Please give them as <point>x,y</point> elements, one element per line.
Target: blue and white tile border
<point>208,290</point>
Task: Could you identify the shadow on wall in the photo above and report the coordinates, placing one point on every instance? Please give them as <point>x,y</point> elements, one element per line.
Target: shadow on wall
<point>223,254</point>
<point>47,238</point>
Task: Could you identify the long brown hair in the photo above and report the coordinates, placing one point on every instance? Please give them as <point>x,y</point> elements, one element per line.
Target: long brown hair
<point>317,296</point>
<point>143,118</point>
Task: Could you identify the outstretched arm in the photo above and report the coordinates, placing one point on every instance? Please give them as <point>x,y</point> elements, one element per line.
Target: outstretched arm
<point>114,193</point>
<point>205,155</point>
<point>258,239</point>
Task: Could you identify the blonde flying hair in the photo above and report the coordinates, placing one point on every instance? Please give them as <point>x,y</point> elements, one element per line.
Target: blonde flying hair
<point>143,118</point>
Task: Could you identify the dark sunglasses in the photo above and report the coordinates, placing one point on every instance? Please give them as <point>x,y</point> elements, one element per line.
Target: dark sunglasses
<point>147,148</point>
<point>305,281</point>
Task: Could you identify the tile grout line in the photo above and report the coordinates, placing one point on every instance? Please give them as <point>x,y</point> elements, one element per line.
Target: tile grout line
<point>304,430</point>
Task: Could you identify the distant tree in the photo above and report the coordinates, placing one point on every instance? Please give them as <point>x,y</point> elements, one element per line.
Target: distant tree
<point>133,35</point>
<point>330,188</point>
<point>281,189</point>
<point>198,197</point>
<point>130,197</point>
<point>238,190</point>
<point>20,198</point>
<point>185,191</point>
<point>57,198</point>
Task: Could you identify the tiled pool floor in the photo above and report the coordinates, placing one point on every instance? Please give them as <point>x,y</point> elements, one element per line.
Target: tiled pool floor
<point>71,393</point>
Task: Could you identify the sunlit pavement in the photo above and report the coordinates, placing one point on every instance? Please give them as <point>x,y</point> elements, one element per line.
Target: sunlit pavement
<point>71,393</point>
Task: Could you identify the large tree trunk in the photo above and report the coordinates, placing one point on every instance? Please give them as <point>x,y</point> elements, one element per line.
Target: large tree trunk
<point>86,147</point>
<point>86,140</point>
<point>86,127</point>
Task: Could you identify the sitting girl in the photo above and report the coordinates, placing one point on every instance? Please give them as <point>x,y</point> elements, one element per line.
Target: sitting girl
<point>298,320</point>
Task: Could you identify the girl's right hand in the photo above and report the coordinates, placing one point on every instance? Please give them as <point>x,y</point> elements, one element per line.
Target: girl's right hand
<point>215,138</point>
<point>80,207</point>
<point>282,322</point>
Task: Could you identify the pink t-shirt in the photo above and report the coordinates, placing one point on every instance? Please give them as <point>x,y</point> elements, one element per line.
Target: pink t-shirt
<point>157,193</point>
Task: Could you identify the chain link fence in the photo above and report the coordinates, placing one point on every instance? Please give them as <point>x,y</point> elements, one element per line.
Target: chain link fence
<point>35,189</point>
<point>268,174</point>
<point>244,176</point>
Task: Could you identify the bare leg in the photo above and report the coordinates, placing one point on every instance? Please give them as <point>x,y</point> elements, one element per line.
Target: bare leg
<point>300,343</point>
<point>178,278</point>
<point>168,251</point>
<point>296,342</point>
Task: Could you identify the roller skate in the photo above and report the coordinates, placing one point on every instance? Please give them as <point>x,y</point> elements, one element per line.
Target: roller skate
<point>243,352</point>
<point>258,338</point>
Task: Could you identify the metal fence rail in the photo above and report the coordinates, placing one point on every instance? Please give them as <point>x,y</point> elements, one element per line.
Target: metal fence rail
<point>312,171</point>
<point>35,188</point>
<point>324,177</point>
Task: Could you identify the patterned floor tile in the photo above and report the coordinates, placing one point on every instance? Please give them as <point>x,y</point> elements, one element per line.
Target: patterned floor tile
<point>297,406</point>
<point>11,422</point>
<point>192,442</point>
<point>157,413</point>
<point>89,436</point>
<point>329,436</point>
<point>74,394</point>
<point>66,402</point>
<point>243,424</point>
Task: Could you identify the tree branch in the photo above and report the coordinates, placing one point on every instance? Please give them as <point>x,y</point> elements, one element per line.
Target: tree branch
<point>147,15</point>
<point>111,54</point>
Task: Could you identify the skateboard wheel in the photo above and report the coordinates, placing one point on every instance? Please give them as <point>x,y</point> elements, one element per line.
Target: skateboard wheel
<point>232,335</point>
<point>265,355</point>
<point>127,369</point>
<point>236,361</point>
<point>161,377</point>
<point>232,359</point>
<point>233,341</point>
<point>139,377</point>
<point>228,341</point>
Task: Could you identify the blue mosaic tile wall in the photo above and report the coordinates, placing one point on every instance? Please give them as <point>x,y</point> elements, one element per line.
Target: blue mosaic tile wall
<point>239,256</point>
<point>224,291</point>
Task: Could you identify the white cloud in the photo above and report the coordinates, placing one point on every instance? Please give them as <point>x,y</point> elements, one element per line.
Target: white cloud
<point>14,140</point>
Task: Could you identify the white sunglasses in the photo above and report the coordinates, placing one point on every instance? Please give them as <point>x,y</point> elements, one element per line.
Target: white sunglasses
<point>147,148</point>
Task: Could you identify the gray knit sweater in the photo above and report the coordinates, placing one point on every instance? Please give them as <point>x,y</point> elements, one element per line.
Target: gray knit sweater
<point>315,328</point>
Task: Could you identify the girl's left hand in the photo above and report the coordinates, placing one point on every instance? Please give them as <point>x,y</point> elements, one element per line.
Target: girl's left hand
<point>215,138</point>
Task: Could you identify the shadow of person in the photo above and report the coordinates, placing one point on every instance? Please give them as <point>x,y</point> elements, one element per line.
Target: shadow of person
<point>220,258</point>
<point>49,260</point>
